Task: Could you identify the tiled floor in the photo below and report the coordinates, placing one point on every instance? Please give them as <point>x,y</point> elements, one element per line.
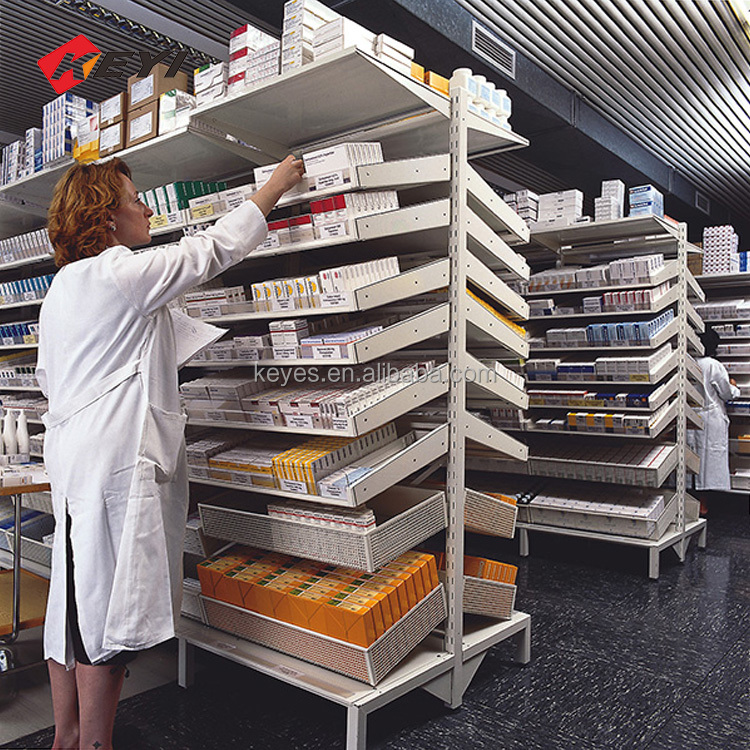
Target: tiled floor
<point>618,662</point>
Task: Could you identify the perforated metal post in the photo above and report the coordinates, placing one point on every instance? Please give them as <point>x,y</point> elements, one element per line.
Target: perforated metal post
<point>456,480</point>
<point>682,353</point>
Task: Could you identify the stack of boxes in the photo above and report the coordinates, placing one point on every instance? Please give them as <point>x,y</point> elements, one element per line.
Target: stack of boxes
<point>176,196</point>
<point>560,209</point>
<point>113,124</point>
<point>253,56</point>
<point>302,18</point>
<point>335,216</point>
<point>525,203</point>
<point>86,139</point>
<point>720,246</point>
<point>33,149</point>
<point>14,162</point>
<point>340,34</point>
<point>58,118</point>
<point>337,165</point>
<point>175,107</point>
<point>646,200</point>
<point>610,206</point>
<point>32,245</point>
<point>143,102</point>
<point>210,83</point>
<point>394,54</point>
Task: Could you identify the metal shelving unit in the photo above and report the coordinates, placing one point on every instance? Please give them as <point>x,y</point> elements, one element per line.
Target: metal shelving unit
<point>370,101</point>
<point>733,286</point>
<point>669,382</point>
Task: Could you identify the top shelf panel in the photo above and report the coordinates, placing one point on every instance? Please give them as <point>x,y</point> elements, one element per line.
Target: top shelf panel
<point>348,93</point>
<point>600,231</point>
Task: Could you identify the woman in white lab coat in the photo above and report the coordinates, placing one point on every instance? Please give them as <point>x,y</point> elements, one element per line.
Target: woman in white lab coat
<point>114,445</point>
<point>712,442</point>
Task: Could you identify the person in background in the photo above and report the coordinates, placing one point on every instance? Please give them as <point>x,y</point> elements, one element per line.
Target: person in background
<point>712,442</point>
<point>114,444</point>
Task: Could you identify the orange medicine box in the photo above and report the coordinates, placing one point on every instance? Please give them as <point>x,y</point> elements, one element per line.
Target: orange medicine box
<point>427,568</point>
<point>399,585</point>
<point>411,592</point>
<point>350,622</point>
<point>374,605</point>
<point>413,571</point>
<point>384,596</point>
<point>439,83</point>
<point>210,571</point>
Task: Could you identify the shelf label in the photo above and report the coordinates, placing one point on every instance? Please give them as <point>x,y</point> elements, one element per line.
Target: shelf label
<point>288,671</point>
<point>242,477</point>
<point>639,378</point>
<point>270,242</point>
<point>216,416</point>
<point>341,423</point>
<point>326,352</point>
<point>253,355</point>
<point>202,212</point>
<point>8,341</point>
<point>29,338</point>
<point>262,418</point>
<point>159,221</point>
<point>280,305</point>
<point>339,229</point>
<point>29,296</point>
<point>300,421</point>
<point>292,485</point>
<point>210,311</point>
<point>221,355</point>
<point>333,179</point>
<point>285,352</point>
<point>335,299</point>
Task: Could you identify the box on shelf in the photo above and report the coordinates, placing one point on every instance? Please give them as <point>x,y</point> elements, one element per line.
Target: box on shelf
<point>144,91</point>
<point>113,110</point>
<point>175,107</point>
<point>143,123</point>
<point>86,139</point>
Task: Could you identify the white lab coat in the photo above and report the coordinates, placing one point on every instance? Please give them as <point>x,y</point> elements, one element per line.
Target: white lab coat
<point>114,446</point>
<point>712,442</point>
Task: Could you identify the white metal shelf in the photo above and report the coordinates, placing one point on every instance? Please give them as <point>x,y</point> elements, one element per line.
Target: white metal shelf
<point>481,276</point>
<point>389,472</point>
<point>666,300</point>
<point>606,231</point>
<point>22,388</point>
<point>493,210</point>
<point>394,405</point>
<point>14,264</point>
<point>672,538</point>
<point>10,347</point>
<point>659,396</point>
<point>668,272</point>
<point>6,561</point>
<point>720,280</point>
<point>484,326</point>
<point>408,284</point>
<point>658,340</point>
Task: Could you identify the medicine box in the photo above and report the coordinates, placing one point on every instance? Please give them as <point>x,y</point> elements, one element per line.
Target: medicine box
<point>143,91</point>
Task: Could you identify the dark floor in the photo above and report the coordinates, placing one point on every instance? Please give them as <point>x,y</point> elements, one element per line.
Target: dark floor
<point>618,662</point>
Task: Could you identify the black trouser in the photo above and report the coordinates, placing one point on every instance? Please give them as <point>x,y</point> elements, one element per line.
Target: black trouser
<point>118,660</point>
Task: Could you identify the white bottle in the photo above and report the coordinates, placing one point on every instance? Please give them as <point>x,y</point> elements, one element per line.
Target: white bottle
<point>9,433</point>
<point>22,433</point>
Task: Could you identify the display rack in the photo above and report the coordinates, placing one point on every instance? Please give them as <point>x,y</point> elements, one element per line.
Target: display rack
<point>668,384</point>
<point>716,288</point>
<point>353,96</point>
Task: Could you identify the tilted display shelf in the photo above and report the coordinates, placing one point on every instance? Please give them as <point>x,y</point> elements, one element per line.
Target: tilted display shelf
<point>405,333</point>
<point>489,515</point>
<point>394,469</point>
<point>666,300</point>
<point>489,598</point>
<point>484,326</point>
<point>669,271</point>
<point>365,664</point>
<point>392,406</point>
<point>414,515</point>
<point>27,303</point>
<point>719,280</point>
<point>487,381</point>
<point>494,211</point>
<point>481,276</point>
<point>407,284</point>
<point>664,368</point>
<point>26,261</point>
<point>486,434</point>
<point>656,429</point>
<point>657,397</point>
<point>487,246</point>
<point>659,339</point>
<point>18,346</point>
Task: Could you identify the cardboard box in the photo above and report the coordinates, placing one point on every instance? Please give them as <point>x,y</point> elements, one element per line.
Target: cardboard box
<point>112,139</point>
<point>143,91</point>
<point>143,123</point>
<point>113,110</point>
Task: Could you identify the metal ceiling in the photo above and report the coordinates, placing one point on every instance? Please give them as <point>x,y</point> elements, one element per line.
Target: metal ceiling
<point>29,29</point>
<point>674,75</point>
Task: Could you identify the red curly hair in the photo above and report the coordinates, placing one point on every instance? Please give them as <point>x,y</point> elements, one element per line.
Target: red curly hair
<point>78,214</point>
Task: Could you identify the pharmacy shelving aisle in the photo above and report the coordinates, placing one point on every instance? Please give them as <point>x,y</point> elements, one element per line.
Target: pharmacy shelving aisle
<point>450,219</point>
<point>623,405</point>
<point>727,311</point>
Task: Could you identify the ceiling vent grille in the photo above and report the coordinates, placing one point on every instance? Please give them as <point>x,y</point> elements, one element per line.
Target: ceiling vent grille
<point>496,52</point>
<point>702,203</point>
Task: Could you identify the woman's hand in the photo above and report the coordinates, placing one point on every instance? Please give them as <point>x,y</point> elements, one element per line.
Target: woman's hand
<point>733,382</point>
<point>284,177</point>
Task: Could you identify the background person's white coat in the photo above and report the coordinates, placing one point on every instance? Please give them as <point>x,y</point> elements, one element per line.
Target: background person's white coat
<point>114,446</point>
<point>712,442</point>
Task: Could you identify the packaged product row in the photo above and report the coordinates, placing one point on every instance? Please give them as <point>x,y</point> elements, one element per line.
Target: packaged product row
<point>729,330</point>
<point>633,368</point>
<point>625,333</point>
<point>31,404</point>
<point>720,251</point>
<point>322,289</point>
<point>27,246</point>
<point>25,290</point>
<point>316,466</point>
<point>326,403</point>
<point>18,369</point>
<point>20,332</point>
<point>348,605</point>
<point>631,300</point>
<point>631,400</point>
<point>482,567</point>
<point>724,309</point>
<point>639,269</point>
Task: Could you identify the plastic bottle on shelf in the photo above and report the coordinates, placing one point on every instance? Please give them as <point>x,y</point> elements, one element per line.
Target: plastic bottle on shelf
<point>463,78</point>
<point>22,432</point>
<point>9,433</point>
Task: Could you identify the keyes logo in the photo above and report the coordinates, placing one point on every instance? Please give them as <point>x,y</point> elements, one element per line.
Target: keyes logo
<point>72,63</point>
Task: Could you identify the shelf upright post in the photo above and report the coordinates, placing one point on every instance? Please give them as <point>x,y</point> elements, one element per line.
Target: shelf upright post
<point>456,478</point>
<point>682,349</point>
